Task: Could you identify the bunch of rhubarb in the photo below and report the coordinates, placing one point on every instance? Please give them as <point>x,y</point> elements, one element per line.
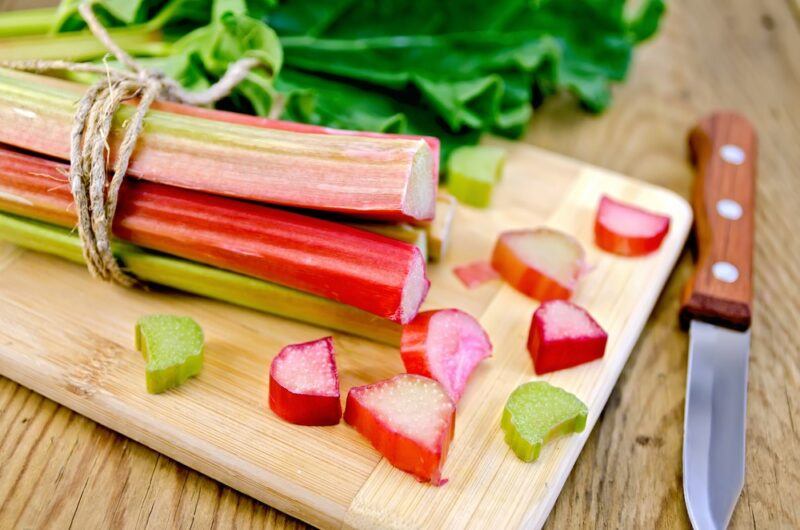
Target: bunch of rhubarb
<point>195,167</point>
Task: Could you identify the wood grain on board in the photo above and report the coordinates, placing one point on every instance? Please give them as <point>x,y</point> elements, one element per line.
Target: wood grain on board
<point>62,469</point>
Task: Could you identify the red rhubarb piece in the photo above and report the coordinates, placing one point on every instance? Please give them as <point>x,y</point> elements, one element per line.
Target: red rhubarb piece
<point>544,263</point>
<point>304,384</point>
<point>475,274</point>
<point>410,419</point>
<point>445,345</point>
<point>564,335</point>
<point>627,230</point>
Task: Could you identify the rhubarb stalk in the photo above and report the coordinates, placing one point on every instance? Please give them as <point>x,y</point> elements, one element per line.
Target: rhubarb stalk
<point>374,273</point>
<point>438,231</point>
<point>373,177</point>
<point>207,281</point>
<point>239,118</point>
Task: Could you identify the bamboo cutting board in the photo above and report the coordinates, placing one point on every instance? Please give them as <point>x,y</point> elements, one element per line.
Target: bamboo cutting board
<point>70,338</point>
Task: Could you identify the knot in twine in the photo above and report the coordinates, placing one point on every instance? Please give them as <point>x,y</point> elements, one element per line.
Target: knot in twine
<point>94,195</point>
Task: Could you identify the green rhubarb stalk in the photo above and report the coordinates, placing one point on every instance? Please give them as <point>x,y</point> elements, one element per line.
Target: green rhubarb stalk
<point>26,22</point>
<point>538,412</point>
<point>207,281</point>
<point>472,173</point>
<point>80,46</point>
<point>173,349</point>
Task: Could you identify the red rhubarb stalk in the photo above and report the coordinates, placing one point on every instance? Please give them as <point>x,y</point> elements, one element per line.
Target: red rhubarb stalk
<point>304,384</point>
<point>374,177</point>
<point>372,272</point>
<point>627,230</point>
<point>409,418</point>
<point>445,345</point>
<point>564,335</point>
<point>544,263</point>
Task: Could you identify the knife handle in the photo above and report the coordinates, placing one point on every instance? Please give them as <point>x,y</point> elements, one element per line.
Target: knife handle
<point>723,149</point>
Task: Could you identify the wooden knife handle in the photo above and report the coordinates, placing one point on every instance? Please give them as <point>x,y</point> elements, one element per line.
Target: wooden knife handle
<point>723,149</point>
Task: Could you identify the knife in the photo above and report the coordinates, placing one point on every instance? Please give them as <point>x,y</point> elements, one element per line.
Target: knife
<point>716,307</point>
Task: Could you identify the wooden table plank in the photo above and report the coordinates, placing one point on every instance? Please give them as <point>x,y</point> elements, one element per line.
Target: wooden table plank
<point>60,468</point>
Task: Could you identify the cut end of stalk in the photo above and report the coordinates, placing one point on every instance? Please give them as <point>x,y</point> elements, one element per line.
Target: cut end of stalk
<point>419,200</point>
<point>415,289</point>
<point>308,368</point>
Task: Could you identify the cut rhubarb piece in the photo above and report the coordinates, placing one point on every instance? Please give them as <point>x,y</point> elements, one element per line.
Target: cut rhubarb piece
<point>173,349</point>
<point>544,263</point>
<point>564,335</point>
<point>304,384</point>
<point>537,412</point>
<point>383,178</point>
<point>445,345</point>
<point>472,172</point>
<point>475,274</point>
<point>627,230</point>
<point>409,418</point>
<point>380,275</point>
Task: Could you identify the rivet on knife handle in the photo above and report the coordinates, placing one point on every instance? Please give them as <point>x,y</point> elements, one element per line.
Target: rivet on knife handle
<point>723,148</point>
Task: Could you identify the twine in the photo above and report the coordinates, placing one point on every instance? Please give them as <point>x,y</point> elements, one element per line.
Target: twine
<point>94,195</point>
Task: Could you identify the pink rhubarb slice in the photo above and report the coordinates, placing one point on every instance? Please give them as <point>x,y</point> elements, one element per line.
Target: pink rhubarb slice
<point>409,418</point>
<point>543,263</point>
<point>564,335</point>
<point>475,274</point>
<point>627,230</point>
<point>304,384</point>
<point>445,345</point>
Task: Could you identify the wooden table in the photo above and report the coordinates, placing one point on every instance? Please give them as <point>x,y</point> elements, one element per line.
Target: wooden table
<point>59,469</point>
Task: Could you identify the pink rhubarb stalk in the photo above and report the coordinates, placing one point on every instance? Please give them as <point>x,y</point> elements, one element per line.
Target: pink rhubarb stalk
<point>304,384</point>
<point>384,178</point>
<point>564,335</point>
<point>445,345</point>
<point>409,418</point>
<point>383,276</point>
<point>627,230</point>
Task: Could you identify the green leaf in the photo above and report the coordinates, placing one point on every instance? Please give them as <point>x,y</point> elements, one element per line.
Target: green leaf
<point>477,66</point>
<point>203,56</point>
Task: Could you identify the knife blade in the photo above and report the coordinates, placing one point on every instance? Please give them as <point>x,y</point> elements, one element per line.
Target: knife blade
<point>717,309</point>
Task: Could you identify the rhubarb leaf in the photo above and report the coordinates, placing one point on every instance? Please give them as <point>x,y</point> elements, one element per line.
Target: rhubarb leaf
<point>209,51</point>
<point>470,66</point>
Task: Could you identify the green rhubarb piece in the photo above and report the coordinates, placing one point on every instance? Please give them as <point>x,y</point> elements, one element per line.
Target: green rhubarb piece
<point>472,172</point>
<point>173,349</point>
<point>536,413</point>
